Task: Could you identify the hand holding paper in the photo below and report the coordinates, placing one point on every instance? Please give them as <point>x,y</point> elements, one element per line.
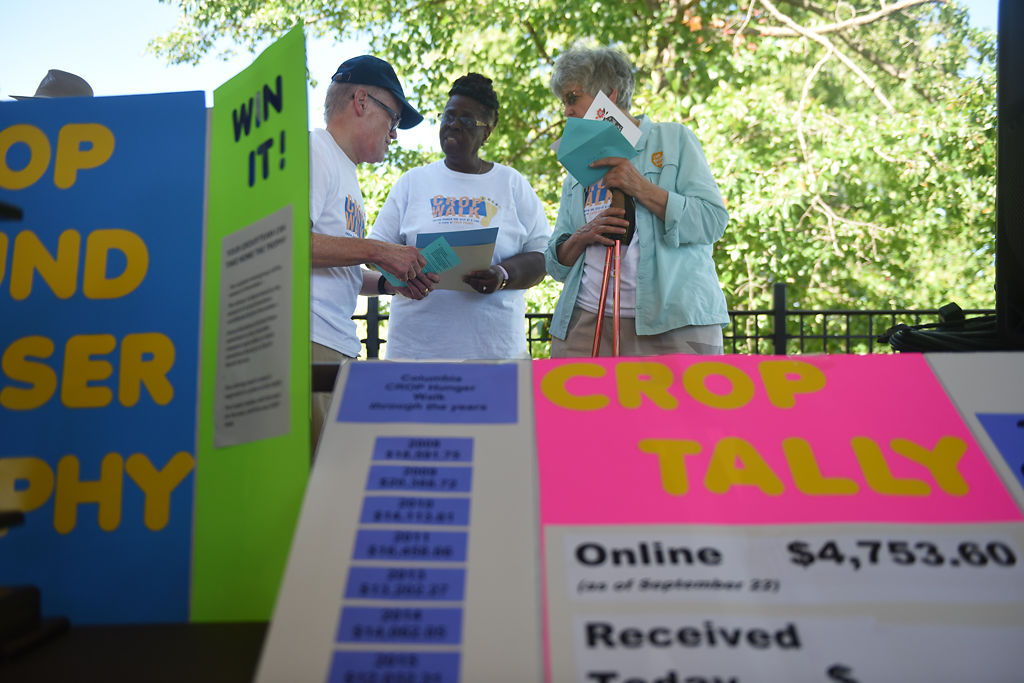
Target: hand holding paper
<point>621,174</point>
<point>485,281</point>
<point>418,287</point>
<point>400,259</point>
<point>439,257</point>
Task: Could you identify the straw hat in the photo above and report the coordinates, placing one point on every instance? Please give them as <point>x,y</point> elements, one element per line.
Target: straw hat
<point>59,83</point>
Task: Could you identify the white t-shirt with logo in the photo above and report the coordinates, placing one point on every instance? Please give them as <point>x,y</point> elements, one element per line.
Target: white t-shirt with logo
<point>451,324</point>
<point>599,198</point>
<point>335,208</point>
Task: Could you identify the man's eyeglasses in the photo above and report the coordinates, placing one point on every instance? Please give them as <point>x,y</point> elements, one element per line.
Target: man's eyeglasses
<point>447,118</point>
<point>396,118</point>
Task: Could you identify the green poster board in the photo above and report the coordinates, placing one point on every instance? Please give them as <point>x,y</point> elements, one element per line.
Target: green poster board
<point>254,404</point>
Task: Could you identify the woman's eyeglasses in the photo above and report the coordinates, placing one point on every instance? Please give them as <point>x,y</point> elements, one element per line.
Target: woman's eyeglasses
<point>569,98</point>
<point>447,118</point>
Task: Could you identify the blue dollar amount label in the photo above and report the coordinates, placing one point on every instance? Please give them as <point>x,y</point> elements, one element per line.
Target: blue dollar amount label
<point>405,583</point>
<point>434,625</point>
<point>421,546</point>
<point>400,448</point>
<point>419,478</point>
<point>394,667</point>
<point>410,510</point>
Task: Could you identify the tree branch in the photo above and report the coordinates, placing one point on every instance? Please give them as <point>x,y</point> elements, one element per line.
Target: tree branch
<point>804,94</point>
<point>738,38</point>
<point>793,32</point>
<point>887,68</point>
<point>827,44</point>
<point>537,42</point>
<point>530,143</point>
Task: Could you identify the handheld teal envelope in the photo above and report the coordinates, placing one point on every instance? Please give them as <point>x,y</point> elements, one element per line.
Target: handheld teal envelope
<point>585,141</point>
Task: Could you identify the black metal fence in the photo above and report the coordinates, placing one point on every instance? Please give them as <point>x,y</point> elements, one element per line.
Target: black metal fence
<point>777,330</point>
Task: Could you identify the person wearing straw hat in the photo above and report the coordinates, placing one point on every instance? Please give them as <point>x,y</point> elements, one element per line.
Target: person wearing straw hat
<point>57,83</point>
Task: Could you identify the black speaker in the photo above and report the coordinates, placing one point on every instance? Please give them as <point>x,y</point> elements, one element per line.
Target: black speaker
<point>1010,176</point>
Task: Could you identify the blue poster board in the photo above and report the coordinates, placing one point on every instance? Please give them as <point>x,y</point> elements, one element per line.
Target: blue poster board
<point>1007,432</point>
<point>100,297</point>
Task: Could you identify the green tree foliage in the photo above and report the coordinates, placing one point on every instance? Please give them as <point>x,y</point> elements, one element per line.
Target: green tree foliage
<point>854,141</point>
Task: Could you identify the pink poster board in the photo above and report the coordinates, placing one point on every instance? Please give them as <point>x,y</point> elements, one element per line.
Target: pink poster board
<point>757,440</point>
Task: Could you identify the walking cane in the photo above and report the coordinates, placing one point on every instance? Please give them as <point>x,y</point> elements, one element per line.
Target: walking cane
<point>618,202</point>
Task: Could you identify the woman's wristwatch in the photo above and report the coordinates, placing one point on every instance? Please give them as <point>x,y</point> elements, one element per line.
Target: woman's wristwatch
<point>504,276</point>
<point>381,288</point>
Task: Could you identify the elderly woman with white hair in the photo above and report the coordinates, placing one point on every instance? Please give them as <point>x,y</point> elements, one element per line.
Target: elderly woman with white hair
<point>671,300</point>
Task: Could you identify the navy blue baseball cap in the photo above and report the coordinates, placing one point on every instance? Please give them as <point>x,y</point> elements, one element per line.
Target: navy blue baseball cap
<point>370,70</point>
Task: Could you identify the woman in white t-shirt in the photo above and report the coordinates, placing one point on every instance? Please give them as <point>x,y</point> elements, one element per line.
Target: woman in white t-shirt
<point>472,202</point>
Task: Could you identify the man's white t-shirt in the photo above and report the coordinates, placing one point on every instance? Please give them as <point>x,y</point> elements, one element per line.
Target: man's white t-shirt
<point>335,208</point>
<point>450,324</point>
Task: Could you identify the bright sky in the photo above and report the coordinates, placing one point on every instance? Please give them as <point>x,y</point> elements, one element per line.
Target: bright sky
<point>104,42</point>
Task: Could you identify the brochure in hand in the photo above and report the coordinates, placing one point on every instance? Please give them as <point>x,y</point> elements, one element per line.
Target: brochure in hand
<point>452,254</point>
<point>584,142</point>
<point>604,131</point>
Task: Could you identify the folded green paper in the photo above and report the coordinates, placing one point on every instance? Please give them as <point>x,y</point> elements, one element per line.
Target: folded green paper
<point>439,255</point>
<point>585,141</point>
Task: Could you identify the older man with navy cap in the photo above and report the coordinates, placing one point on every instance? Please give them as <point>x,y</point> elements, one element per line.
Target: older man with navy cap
<point>365,104</point>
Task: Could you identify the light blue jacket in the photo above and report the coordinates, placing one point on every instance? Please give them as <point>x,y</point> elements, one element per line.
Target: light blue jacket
<point>677,284</point>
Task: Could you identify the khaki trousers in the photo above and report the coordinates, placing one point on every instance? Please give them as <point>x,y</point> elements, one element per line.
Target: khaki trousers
<point>321,399</point>
<point>705,340</point>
